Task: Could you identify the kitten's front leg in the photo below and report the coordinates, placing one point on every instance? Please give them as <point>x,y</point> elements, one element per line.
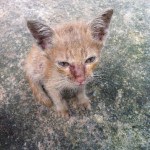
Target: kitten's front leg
<point>39,93</point>
<point>82,100</point>
<point>60,104</point>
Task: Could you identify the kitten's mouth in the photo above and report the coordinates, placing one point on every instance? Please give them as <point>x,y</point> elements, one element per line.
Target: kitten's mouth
<point>80,80</point>
<point>80,83</point>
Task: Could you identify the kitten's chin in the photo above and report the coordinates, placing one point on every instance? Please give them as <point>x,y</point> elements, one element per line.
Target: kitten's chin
<point>80,84</point>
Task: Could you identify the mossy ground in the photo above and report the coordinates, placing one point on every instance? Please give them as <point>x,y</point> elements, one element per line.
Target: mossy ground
<point>120,93</point>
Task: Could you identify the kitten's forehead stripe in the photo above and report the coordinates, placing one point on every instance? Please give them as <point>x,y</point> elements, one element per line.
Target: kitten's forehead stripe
<point>75,40</point>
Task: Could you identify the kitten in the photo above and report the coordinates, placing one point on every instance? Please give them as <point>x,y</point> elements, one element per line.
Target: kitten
<point>65,58</point>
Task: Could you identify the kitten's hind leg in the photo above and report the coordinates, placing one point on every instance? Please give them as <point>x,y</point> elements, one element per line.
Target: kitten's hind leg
<point>40,93</point>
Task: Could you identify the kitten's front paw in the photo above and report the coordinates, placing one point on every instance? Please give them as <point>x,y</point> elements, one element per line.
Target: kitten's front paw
<point>62,109</point>
<point>63,113</point>
<point>85,104</point>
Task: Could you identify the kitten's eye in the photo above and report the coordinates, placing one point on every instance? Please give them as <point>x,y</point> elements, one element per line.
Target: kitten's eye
<point>90,60</point>
<point>63,64</point>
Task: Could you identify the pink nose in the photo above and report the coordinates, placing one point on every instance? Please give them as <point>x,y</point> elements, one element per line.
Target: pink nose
<point>80,80</point>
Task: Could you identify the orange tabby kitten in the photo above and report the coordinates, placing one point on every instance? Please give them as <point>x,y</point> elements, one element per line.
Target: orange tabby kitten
<point>65,58</point>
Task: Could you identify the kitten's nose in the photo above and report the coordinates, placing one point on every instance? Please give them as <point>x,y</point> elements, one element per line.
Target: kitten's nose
<point>80,80</point>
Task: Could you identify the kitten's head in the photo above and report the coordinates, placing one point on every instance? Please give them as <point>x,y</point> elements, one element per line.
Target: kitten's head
<point>73,48</point>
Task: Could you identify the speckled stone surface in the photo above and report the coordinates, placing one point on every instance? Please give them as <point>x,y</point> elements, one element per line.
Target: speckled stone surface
<point>120,94</point>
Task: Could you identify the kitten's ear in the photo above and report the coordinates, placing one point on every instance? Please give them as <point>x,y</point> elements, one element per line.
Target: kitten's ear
<point>99,26</point>
<point>42,33</point>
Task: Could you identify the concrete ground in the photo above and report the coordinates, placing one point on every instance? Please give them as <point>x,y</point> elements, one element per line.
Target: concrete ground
<point>120,95</point>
